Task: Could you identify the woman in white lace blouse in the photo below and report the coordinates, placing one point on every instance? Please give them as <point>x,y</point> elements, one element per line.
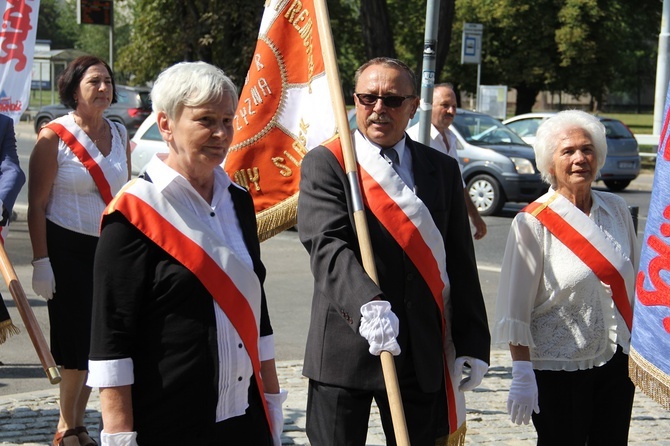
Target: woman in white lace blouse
<point>565,296</point>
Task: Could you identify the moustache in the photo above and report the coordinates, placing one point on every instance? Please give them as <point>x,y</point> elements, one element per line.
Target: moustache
<point>378,119</point>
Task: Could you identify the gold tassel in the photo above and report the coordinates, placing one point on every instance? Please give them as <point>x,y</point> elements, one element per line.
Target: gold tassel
<point>649,378</point>
<point>455,439</point>
<point>7,330</point>
<point>278,218</point>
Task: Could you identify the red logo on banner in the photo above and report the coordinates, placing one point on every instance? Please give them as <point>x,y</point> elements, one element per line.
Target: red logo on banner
<point>660,295</point>
<point>14,32</point>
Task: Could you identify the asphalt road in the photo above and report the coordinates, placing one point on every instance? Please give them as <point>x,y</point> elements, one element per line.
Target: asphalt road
<point>288,285</point>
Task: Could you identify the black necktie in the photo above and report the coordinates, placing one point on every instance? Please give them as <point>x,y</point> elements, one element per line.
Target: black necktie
<point>392,157</point>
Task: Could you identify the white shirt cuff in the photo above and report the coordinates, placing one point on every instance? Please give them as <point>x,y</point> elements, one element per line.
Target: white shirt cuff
<point>266,347</point>
<point>110,373</point>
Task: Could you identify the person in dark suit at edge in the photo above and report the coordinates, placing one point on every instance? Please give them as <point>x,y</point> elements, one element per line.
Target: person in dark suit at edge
<point>12,179</point>
<point>428,305</point>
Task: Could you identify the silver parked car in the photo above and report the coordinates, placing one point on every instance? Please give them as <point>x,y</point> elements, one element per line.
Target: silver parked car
<point>132,107</point>
<point>623,153</point>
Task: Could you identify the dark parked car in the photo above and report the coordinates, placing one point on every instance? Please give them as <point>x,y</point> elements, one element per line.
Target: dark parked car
<point>497,165</point>
<point>622,164</point>
<point>131,110</point>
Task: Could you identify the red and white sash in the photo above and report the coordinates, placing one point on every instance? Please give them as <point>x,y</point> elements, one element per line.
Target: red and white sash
<point>586,240</point>
<point>409,222</point>
<point>86,151</point>
<point>232,283</point>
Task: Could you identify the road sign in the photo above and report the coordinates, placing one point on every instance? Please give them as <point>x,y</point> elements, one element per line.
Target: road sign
<point>471,48</point>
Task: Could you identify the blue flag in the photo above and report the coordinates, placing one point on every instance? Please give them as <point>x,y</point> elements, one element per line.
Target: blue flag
<point>650,346</point>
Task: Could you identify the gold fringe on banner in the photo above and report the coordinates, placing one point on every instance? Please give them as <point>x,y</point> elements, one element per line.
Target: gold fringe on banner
<point>649,378</point>
<point>7,330</point>
<point>278,218</point>
<point>455,439</point>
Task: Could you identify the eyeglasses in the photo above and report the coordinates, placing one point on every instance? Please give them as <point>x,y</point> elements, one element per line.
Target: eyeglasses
<point>388,101</point>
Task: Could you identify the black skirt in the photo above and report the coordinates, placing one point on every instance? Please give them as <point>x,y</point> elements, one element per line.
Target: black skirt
<point>71,255</point>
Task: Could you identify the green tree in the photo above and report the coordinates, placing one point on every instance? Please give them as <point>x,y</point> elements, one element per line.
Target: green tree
<point>349,46</point>
<point>604,44</point>
<point>55,23</point>
<point>514,52</point>
<point>166,31</point>
<point>577,46</point>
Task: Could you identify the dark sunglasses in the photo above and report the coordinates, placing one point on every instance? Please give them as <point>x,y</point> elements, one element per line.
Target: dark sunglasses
<point>388,101</point>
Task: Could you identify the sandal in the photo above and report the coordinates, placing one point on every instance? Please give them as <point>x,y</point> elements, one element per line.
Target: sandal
<point>60,438</point>
<point>84,438</point>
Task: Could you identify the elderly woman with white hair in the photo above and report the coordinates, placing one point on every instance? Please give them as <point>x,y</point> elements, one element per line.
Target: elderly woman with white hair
<point>566,292</point>
<point>182,346</point>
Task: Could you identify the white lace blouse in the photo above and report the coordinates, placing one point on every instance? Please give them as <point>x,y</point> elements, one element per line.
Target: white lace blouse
<point>75,202</point>
<point>550,301</point>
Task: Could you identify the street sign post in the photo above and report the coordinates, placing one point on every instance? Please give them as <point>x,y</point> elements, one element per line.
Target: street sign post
<point>471,48</point>
<point>98,12</point>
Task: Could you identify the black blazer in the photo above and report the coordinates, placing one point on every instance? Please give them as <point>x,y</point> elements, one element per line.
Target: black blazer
<point>149,307</point>
<point>336,354</point>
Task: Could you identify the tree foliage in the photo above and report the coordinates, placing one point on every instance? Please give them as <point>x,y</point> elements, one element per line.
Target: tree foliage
<point>56,24</point>
<point>222,32</point>
<point>576,46</point>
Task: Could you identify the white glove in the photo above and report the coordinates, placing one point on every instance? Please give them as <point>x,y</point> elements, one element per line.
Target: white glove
<point>118,439</point>
<point>275,400</point>
<point>478,369</point>
<point>44,283</point>
<point>523,394</point>
<point>380,326</point>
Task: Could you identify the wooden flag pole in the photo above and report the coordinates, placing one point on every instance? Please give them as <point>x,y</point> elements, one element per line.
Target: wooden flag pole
<point>351,169</point>
<point>28,317</point>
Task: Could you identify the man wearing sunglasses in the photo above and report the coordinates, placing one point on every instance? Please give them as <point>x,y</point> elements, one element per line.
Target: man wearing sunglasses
<point>428,288</point>
<point>444,140</point>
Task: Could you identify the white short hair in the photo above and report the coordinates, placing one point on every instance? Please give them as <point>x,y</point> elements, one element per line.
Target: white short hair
<point>546,139</point>
<point>190,84</point>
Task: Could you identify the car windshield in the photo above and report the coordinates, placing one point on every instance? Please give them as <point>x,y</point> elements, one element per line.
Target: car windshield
<point>616,129</point>
<point>481,130</point>
<point>145,99</point>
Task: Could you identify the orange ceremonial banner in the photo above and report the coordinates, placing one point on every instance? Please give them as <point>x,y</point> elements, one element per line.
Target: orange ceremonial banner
<point>284,111</point>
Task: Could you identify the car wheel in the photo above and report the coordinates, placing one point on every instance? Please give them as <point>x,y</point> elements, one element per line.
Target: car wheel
<point>617,185</point>
<point>485,193</point>
<point>41,123</point>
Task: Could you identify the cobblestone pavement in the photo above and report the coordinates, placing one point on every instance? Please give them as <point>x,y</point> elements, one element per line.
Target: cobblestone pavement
<point>29,419</point>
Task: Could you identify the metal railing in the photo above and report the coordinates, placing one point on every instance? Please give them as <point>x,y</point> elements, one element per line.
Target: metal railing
<point>647,140</point>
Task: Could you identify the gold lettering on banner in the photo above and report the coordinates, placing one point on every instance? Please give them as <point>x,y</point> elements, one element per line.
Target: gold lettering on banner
<point>245,177</point>
<point>280,5</point>
<point>257,93</point>
<point>254,176</point>
<point>299,145</point>
<point>303,23</point>
<point>257,61</point>
<point>284,170</point>
<point>240,178</point>
<point>264,86</point>
<point>249,111</point>
<point>292,158</point>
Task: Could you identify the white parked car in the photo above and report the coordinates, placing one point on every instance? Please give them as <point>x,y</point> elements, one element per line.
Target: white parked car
<point>145,143</point>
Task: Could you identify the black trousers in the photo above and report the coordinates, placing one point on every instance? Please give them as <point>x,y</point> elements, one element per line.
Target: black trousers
<point>338,416</point>
<point>585,407</point>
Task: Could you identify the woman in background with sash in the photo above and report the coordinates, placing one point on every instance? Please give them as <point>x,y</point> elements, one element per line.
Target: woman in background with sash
<point>79,162</point>
<point>565,296</point>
